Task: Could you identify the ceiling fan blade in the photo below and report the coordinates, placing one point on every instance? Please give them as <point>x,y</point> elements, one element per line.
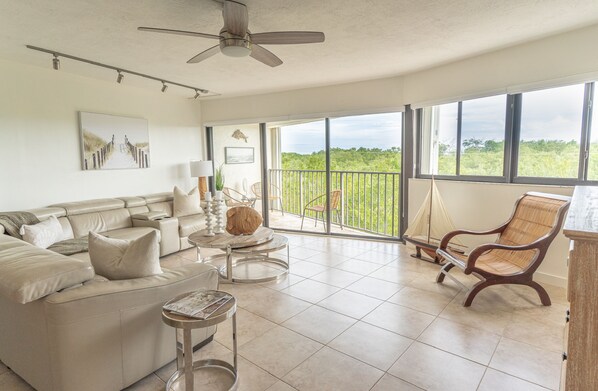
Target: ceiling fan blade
<point>178,32</point>
<point>287,37</point>
<point>205,54</point>
<point>235,18</point>
<point>265,56</point>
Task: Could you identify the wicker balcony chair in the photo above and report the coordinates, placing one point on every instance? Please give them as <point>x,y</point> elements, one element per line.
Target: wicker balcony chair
<point>335,199</point>
<point>274,194</point>
<point>518,251</point>
<point>233,198</point>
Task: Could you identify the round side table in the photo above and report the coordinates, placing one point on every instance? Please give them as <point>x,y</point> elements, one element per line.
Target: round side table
<point>184,375</point>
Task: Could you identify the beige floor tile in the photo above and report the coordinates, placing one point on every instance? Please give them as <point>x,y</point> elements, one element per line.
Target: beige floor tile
<point>251,377</point>
<point>306,269</point>
<point>359,267</point>
<point>331,370</point>
<point>281,386</point>
<point>277,307</point>
<point>375,346</point>
<point>495,381</point>
<point>347,251</point>
<point>501,298</point>
<point>376,257</point>
<point>448,288</point>
<point>397,276</point>
<point>435,370</point>
<point>465,341</point>
<point>148,383</point>
<point>173,261</point>
<point>335,277</point>
<point>424,301</point>
<point>536,331</point>
<point>554,313</point>
<point>311,291</point>
<point>392,248</point>
<point>375,288</point>
<point>283,282</point>
<point>301,252</point>
<point>351,304</point>
<point>391,383</point>
<point>493,322</point>
<point>249,326</point>
<point>9,381</point>
<point>319,324</point>
<point>279,350</point>
<point>3,368</point>
<point>191,253</point>
<point>246,294</point>
<point>528,362</point>
<point>212,350</point>
<point>401,320</point>
<point>327,259</point>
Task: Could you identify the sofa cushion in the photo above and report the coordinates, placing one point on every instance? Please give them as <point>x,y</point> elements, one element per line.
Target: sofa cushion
<point>190,224</point>
<point>28,273</point>
<point>42,234</point>
<point>130,233</point>
<point>100,221</point>
<point>165,206</point>
<point>118,259</point>
<point>185,204</point>
<point>90,206</point>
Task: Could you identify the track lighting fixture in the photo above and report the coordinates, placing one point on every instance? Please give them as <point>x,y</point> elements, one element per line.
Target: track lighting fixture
<point>120,77</point>
<point>56,63</point>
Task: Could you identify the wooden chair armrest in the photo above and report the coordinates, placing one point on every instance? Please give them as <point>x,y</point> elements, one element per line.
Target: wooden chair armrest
<point>314,200</point>
<point>447,237</point>
<point>478,251</point>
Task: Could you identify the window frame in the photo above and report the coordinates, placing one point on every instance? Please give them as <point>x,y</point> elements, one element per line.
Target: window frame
<point>511,146</point>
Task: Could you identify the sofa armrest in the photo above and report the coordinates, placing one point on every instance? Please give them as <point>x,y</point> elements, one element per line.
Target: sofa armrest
<point>169,233</point>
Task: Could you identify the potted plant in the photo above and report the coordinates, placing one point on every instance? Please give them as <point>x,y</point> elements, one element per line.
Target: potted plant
<point>219,179</point>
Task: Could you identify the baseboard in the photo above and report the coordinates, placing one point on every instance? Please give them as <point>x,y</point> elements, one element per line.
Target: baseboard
<point>551,279</point>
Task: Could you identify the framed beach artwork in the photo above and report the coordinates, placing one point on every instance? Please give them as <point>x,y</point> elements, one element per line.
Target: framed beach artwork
<point>238,155</point>
<point>110,142</point>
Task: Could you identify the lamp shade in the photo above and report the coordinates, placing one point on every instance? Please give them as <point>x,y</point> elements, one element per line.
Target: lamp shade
<point>201,168</point>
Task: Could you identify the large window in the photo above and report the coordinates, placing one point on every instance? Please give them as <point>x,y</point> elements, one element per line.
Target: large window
<point>464,138</point>
<point>546,136</point>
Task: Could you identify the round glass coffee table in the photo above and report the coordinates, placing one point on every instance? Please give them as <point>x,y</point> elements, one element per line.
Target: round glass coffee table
<point>244,250</point>
<point>184,377</point>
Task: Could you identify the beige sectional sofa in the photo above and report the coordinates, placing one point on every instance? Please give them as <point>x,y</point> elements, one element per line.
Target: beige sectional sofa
<point>63,328</point>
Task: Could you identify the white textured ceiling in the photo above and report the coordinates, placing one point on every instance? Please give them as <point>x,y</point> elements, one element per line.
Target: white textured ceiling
<point>365,39</point>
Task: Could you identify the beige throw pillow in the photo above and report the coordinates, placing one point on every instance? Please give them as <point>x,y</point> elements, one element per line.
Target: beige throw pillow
<point>43,234</point>
<point>185,204</point>
<point>118,259</point>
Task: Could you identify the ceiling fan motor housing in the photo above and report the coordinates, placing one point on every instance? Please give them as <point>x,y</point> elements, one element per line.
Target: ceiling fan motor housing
<point>234,45</point>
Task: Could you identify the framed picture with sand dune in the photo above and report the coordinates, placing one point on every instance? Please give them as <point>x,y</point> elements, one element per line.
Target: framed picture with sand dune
<point>111,142</point>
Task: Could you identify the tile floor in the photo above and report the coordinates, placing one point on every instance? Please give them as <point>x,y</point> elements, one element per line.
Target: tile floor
<point>363,315</point>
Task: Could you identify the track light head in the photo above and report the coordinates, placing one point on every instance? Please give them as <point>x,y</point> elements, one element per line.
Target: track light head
<point>56,63</point>
<point>164,87</point>
<point>196,94</point>
<point>120,77</point>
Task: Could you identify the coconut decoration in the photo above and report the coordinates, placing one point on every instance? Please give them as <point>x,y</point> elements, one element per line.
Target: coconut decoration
<point>242,220</point>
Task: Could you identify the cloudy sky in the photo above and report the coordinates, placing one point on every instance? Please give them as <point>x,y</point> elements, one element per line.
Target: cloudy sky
<point>368,131</point>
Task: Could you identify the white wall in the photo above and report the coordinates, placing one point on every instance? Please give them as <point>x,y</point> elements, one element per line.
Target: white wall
<point>235,173</point>
<point>480,206</point>
<point>40,148</point>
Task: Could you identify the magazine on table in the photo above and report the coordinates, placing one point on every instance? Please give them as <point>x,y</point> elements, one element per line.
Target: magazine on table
<point>199,304</point>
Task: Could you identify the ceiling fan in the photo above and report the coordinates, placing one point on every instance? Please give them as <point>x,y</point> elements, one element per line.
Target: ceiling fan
<point>237,41</point>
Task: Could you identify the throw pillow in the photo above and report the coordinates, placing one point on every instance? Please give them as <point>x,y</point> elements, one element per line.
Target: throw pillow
<point>43,234</point>
<point>185,204</point>
<point>118,259</point>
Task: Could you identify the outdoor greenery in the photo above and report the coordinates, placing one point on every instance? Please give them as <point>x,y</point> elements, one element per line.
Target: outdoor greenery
<point>354,159</point>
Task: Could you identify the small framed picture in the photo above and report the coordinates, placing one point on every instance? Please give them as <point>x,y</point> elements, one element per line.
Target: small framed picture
<point>239,155</point>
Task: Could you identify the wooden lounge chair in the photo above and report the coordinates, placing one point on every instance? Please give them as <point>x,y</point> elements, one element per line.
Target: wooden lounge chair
<point>234,198</point>
<point>335,199</point>
<point>274,195</point>
<point>520,248</point>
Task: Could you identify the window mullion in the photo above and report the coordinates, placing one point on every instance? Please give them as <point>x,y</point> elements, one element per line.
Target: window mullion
<point>459,122</point>
<point>586,124</point>
<point>508,146</point>
<point>515,137</point>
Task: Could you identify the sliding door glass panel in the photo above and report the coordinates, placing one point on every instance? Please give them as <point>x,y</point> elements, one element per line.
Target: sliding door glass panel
<point>483,136</point>
<point>551,132</point>
<point>237,155</point>
<point>297,175</point>
<point>593,158</point>
<point>365,159</point>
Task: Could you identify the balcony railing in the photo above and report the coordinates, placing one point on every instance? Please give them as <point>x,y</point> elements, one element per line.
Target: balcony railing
<point>369,200</point>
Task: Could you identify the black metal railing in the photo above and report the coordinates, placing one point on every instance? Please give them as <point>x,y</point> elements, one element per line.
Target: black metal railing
<point>369,201</point>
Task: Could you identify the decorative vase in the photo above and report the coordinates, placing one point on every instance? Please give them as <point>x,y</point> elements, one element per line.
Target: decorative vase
<point>218,209</point>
